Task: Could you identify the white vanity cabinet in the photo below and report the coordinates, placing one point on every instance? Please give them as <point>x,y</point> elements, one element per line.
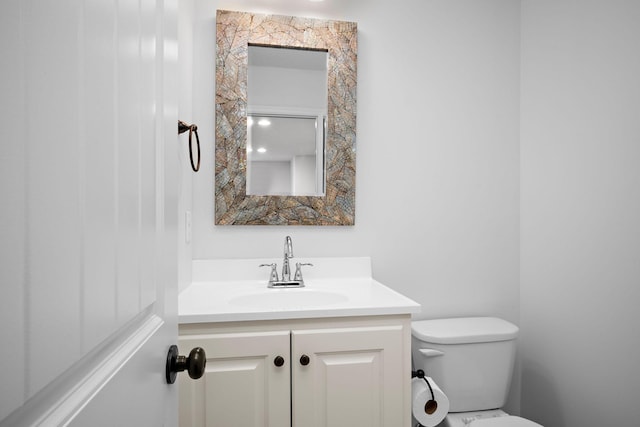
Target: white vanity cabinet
<point>242,386</point>
<point>351,372</point>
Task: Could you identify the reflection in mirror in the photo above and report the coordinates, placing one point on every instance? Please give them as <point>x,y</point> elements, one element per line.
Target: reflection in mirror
<point>332,200</point>
<point>287,77</point>
<point>285,156</point>
<point>291,83</point>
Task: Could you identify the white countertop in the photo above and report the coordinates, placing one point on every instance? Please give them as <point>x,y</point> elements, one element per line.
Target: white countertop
<point>334,287</point>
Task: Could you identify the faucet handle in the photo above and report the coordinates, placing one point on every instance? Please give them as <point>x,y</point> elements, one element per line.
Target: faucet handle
<point>273,276</point>
<point>298,275</point>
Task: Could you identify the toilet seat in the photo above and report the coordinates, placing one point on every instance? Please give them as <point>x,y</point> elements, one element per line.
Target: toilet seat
<point>490,418</point>
<point>506,421</point>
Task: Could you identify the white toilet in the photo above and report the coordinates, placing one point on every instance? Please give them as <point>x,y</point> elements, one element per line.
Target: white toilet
<point>471,359</point>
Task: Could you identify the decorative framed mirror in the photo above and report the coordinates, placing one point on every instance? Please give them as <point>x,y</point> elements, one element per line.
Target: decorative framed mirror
<point>285,120</point>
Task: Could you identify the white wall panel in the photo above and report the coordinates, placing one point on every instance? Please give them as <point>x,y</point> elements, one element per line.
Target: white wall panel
<point>82,120</point>
<point>147,111</point>
<point>54,241</point>
<point>98,104</point>
<point>187,86</point>
<point>12,207</point>
<point>128,157</point>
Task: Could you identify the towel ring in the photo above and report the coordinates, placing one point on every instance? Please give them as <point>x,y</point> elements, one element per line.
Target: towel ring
<point>183,127</point>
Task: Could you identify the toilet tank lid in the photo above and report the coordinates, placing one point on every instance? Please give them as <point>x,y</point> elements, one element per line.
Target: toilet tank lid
<point>464,330</point>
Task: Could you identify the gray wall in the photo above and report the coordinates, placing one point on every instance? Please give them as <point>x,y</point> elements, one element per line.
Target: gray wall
<point>498,149</point>
<point>437,152</point>
<point>580,173</point>
<point>437,204</point>
<point>497,174</point>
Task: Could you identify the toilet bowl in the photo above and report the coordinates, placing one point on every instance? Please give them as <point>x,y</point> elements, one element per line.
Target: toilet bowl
<point>471,359</point>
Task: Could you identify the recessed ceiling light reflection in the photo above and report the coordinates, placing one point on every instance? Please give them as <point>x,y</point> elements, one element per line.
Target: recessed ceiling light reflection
<point>262,150</point>
<point>264,122</point>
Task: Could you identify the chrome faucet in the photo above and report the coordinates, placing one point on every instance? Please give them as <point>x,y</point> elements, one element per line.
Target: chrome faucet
<point>285,281</point>
<point>288,253</point>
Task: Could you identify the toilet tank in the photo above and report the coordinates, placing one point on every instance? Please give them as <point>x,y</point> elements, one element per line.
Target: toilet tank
<point>471,359</point>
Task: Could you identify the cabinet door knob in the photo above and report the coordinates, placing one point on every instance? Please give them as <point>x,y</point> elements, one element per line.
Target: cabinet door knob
<point>304,360</point>
<point>278,361</point>
<point>194,364</point>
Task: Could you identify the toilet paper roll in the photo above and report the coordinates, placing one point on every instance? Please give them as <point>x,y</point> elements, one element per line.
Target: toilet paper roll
<point>428,412</point>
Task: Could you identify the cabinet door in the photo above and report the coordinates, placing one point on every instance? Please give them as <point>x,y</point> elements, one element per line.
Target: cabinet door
<point>242,386</point>
<point>354,377</point>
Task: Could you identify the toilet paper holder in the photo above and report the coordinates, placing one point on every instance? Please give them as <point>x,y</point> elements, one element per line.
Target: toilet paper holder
<point>431,405</point>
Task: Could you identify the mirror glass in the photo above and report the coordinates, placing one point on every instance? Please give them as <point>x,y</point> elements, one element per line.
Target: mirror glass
<point>285,155</point>
<point>300,75</point>
<point>286,121</point>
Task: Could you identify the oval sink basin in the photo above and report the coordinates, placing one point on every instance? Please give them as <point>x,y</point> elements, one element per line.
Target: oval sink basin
<point>288,298</point>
